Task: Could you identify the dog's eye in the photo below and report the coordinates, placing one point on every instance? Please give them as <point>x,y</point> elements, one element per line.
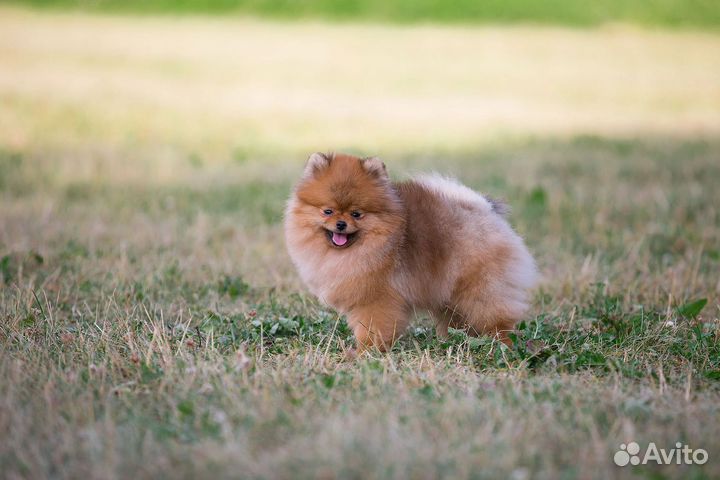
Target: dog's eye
<point>327,211</point>
<point>355,214</point>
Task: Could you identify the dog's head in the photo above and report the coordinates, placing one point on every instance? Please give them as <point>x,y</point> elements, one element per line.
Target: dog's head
<point>346,201</point>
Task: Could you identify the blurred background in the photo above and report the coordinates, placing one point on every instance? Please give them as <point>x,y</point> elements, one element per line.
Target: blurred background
<point>180,108</point>
<point>204,112</point>
<point>226,81</point>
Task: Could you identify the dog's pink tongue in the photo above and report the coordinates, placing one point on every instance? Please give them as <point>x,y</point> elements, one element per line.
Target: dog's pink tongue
<point>339,239</point>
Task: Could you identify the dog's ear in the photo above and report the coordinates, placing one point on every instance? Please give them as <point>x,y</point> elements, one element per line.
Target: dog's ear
<point>316,163</point>
<point>374,166</point>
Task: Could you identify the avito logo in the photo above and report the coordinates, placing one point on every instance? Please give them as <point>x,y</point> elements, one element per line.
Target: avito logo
<point>680,455</point>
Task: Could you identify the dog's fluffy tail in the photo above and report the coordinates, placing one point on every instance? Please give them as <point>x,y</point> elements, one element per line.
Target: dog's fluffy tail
<point>498,206</point>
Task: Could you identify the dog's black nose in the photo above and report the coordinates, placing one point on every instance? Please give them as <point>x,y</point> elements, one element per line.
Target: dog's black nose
<point>341,225</point>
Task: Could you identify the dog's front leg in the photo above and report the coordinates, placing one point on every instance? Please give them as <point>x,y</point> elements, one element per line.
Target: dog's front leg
<point>378,324</point>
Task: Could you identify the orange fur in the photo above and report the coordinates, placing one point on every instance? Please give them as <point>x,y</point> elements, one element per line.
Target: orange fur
<point>428,243</point>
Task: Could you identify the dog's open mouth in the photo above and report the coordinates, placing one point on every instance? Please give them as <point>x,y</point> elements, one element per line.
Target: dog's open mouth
<point>341,240</point>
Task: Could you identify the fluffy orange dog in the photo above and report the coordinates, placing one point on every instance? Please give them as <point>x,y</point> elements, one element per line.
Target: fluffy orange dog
<point>377,250</point>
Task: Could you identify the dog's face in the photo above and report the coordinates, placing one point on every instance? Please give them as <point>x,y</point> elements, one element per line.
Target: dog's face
<point>345,202</point>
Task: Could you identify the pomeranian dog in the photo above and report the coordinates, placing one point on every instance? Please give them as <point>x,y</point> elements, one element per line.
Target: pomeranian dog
<point>377,251</point>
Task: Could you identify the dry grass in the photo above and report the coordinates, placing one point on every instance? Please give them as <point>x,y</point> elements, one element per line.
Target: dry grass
<point>151,323</point>
<point>216,85</point>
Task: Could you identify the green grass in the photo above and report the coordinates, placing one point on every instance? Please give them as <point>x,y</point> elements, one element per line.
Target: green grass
<point>160,331</point>
<point>702,13</point>
<point>151,322</point>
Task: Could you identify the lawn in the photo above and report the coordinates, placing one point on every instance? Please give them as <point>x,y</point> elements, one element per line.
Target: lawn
<point>152,325</point>
<point>667,13</point>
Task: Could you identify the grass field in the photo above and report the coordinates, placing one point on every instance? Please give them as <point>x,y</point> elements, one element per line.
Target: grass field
<point>151,324</point>
<point>672,13</point>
